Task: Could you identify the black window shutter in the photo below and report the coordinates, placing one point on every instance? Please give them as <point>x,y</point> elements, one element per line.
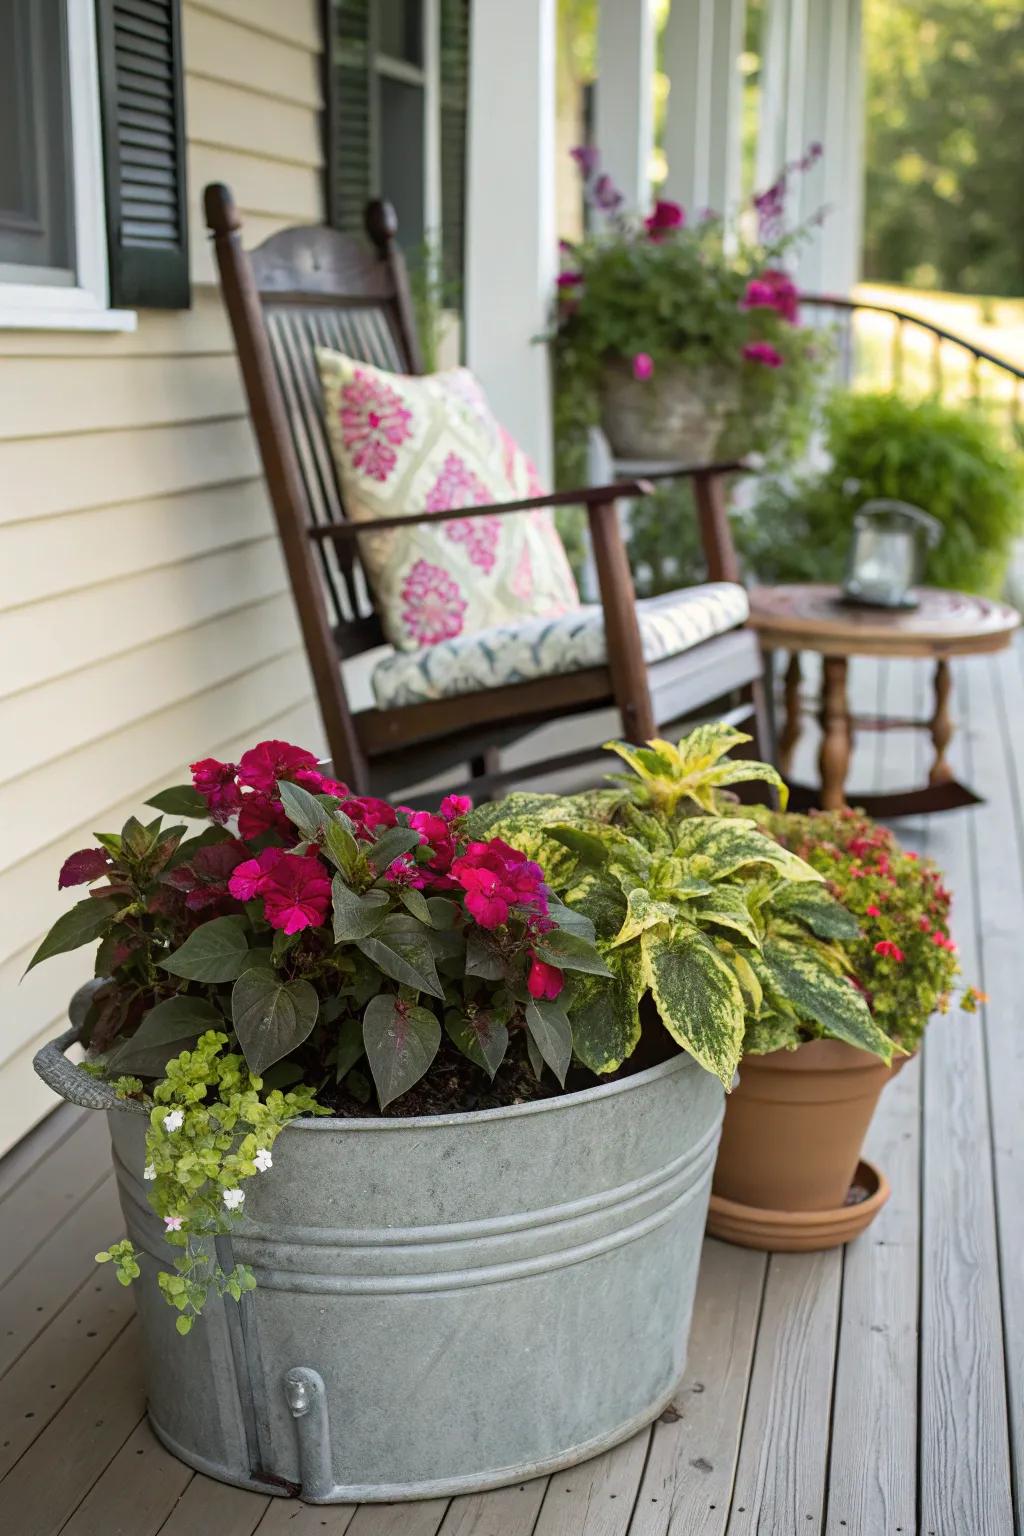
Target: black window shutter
<point>144,152</point>
<point>347,127</point>
<point>454,110</point>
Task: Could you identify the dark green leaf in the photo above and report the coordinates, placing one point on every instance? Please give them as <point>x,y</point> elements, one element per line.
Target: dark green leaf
<point>591,849</point>
<point>349,1047</point>
<point>304,810</point>
<point>83,924</point>
<point>180,800</point>
<point>407,961</point>
<point>483,957</point>
<point>282,1075</point>
<point>570,952</point>
<point>165,1031</point>
<point>443,911</point>
<point>415,902</point>
<point>535,1057</point>
<point>401,1041</point>
<point>358,1085</point>
<point>482,1036</point>
<point>216,951</point>
<point>571,921</point>
<point>136,838</point>
<point>390,846</point>
<point>356,916</point>
<point>549,1028</point>
<point>341,847</point>
<point>271,1017</point>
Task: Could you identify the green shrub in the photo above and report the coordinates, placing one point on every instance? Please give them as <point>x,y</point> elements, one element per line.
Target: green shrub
<point>944,459</point>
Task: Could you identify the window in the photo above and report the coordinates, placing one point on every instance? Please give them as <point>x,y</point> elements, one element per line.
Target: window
<point>396,92</point>
<point>92,196</point>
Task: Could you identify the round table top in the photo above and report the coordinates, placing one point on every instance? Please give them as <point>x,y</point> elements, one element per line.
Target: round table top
<point>812,616</point>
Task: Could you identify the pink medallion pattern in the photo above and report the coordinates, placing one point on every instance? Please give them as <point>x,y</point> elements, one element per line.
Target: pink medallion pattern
<point>434,604</point>
<point>522,576</point>
<point>457,486</point>
<point>374,422</point>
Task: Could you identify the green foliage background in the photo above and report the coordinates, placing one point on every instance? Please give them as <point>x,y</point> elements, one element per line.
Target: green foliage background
<point>945,132</point>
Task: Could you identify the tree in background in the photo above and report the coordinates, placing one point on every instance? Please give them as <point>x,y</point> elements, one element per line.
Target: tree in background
<point>945,141</point>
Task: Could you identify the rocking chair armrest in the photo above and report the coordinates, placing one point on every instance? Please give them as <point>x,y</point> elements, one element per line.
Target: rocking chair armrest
<point>586,495</point>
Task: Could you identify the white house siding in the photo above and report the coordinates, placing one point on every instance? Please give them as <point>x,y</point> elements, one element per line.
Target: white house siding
<point>145,617</point>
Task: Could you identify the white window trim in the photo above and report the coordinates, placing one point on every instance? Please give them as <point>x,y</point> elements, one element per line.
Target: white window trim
<point>83,307</point>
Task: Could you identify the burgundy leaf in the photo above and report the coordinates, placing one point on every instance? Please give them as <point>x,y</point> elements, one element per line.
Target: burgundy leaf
<point>81,867</point>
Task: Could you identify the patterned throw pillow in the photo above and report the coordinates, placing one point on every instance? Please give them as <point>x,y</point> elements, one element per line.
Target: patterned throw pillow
<point>403,445</point>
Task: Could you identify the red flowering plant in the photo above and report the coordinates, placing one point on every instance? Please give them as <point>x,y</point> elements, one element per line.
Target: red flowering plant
<point>903,960</point>
<point>677,289</point>
<point>304,933</point>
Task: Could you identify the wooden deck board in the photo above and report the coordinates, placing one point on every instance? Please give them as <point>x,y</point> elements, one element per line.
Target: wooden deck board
<point>852,1394</point>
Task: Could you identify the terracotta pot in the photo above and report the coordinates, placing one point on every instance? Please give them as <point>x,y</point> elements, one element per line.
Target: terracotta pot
<point>678,413</point>
<point>795,1125</point>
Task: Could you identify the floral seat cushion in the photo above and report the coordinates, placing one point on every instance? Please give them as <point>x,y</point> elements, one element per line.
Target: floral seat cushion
<point>405,444</point>
<point>545,647</point>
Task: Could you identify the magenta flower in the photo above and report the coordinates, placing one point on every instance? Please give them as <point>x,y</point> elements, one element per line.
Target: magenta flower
<point>773,290</point>
<point>607,196</point>
<point>247,878</point>
<point>587,158</point>
<point>764,353</point>
<point>666,217</point>
<point>544,980</point>
<point>495,878</point>
<point>296,893</point>
<point>261,814</point>
<point>268,761</point>
<point>82,867</point>
<point>215,781</point>
<point>643,366</point>
<point>367,814</point>
<point>454,806</point>
<point>569,279</point>
<point>319,784</point>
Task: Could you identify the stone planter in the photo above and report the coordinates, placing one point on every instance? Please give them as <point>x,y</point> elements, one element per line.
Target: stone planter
<point>678,413</point>
<point>444,1304</point>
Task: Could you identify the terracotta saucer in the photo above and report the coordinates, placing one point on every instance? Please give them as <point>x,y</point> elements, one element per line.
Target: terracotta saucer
<point>802,1231</point>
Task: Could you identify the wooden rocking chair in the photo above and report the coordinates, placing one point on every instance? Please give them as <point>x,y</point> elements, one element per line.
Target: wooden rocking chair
<point>310,287</point>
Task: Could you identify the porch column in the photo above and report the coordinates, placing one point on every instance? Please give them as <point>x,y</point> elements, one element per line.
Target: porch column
<point>812,91</point>
<point>511,238</point>
<point>623,118</point>
<point>701,44</point>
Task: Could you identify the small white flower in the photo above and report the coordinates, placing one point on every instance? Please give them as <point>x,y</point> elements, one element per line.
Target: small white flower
<point>263,1160</point>
<point>173,1223</point>
<point>233,1198</point>
<point>149,1172</point>
<point>174,1121</point>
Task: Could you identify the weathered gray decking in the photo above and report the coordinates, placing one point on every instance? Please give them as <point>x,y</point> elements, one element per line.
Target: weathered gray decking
<point>860,1393</point>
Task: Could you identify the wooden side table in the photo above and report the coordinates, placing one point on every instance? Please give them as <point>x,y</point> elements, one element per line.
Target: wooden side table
<point>813,617</point>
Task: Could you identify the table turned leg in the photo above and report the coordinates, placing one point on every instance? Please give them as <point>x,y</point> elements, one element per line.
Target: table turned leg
<point>834,757</point>
<point>790,733</point>
<point>941,725</point>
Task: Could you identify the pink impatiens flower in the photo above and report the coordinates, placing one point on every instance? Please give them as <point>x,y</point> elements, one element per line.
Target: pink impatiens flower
<point>215,781</point>
<point>454,806</point>
<point>247,878</point>
<point>643,366</point>
<point>890,950</point>
<point>496,878</point>
<point>773,290</point>
<point>544,980</point>
<point>764,353</point>
<point>260,814</point>
<point>666,217</point>
<point>268,761</point>
<point>296,893</point>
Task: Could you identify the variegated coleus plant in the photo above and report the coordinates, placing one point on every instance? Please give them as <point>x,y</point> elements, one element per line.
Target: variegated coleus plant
<point>725,929</point>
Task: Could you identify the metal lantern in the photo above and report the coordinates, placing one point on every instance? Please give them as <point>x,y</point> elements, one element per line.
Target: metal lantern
<point>887,552</point>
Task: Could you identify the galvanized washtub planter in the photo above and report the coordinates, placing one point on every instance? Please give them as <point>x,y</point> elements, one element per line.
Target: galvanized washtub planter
<point>444,1304</point>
